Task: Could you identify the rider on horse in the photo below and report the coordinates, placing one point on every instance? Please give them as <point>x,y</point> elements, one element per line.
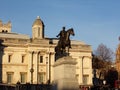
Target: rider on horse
<point>64,41</point>
<point>61,42</point>
<point>62,34</point>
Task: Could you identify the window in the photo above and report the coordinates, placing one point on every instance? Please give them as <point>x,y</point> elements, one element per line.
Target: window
<point>41,77</point>
<point>9,77</point>
<point>85,79</point>
<point>2,30</point>
<point>6,31</point>
<point>41,59</point>
<point>38,31</point>
<point>23,58</point>
<point>9,58</point>
<point>23,77</point>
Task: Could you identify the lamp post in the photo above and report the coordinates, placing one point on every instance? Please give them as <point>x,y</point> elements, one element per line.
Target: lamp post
<point>32,70</point>
<point>49,68</point>
<point>82,63</point>
<point>46,68</point>
<point>82,66</point>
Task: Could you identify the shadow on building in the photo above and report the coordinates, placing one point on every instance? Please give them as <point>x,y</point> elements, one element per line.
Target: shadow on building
<point>1,55</point>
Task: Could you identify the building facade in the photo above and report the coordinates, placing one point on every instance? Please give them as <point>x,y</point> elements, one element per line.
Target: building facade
<point>30,59</point>
<point>118,60</point>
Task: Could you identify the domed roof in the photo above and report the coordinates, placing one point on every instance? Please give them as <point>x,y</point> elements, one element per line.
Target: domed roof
<point>38,21</point>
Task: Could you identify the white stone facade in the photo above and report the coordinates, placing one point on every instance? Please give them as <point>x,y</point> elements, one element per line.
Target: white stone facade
<point>31,60</point>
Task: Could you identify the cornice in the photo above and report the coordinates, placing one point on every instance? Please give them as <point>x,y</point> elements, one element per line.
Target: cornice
<point>14,64</point>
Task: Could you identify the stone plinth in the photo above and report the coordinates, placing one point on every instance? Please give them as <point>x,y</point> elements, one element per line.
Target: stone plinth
<point>64,74</point>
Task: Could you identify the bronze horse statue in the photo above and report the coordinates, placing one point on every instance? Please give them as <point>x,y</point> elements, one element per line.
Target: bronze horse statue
<point>64,41</point>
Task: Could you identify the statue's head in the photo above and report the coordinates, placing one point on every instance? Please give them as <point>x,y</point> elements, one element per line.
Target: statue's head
<point>63,28</point>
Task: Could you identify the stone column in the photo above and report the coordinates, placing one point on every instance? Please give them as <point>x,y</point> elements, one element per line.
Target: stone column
<point>35,74</point>
<point>52,60</point>
<point>80,79</point>
<point>90,71</point>
<point>64,74</point>
<point>49,67</point>
<point>29,66</point>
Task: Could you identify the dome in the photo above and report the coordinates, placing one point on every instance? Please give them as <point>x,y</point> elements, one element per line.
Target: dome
<point>38,21</point>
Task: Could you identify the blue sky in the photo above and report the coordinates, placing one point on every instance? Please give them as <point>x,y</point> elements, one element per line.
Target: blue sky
<point>94,21</point>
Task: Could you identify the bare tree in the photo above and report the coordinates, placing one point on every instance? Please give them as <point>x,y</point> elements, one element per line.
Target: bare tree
<point>102,60</point>
<point>104,53</point>
<point>97,63</point>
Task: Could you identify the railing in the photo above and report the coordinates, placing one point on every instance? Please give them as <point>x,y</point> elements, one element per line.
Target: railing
<point>25,87</point>
<point>7,87</point>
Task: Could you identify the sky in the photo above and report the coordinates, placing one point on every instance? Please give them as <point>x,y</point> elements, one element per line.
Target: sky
<point>94,21</point>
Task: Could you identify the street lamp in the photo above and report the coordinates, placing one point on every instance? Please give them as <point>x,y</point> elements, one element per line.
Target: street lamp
<point>31,70</point>
<point>46,68</point>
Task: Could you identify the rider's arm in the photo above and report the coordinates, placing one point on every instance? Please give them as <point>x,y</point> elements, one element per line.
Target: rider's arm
<point>58,34</point>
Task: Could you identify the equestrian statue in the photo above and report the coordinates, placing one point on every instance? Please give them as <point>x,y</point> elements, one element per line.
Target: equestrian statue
<point>64,41</point>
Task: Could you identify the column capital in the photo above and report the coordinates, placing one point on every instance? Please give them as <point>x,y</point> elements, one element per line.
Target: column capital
<point>35,52</point>
<point>51,53</point>
<point>85,57</point>
<point>30,52</point>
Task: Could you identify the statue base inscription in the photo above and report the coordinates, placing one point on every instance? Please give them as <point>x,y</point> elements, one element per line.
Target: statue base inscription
<point>64,74</point>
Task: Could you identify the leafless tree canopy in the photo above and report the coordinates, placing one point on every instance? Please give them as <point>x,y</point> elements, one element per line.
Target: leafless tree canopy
<point>97,63</point>
<point>102,57</point>
<point>104,53</point>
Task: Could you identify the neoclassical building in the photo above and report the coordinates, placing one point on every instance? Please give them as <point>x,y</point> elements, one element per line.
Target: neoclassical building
<point>31,59</point>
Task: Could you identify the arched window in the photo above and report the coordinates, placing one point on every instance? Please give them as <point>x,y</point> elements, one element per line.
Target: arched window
<point>6,31</point>
<point>9,58</point>
<point>2,30</point>
<point>41,59</point>
<point>23,58</point>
